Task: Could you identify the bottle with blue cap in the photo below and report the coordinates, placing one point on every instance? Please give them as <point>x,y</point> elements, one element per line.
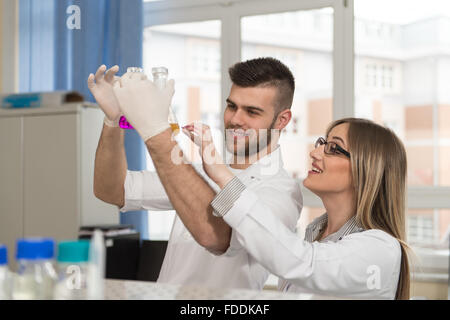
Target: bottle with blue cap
<point>36,275</point>
<point>73,259</point>
<point>5,274</point>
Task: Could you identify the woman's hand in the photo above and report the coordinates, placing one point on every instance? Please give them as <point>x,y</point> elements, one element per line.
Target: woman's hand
<point>213,163</point>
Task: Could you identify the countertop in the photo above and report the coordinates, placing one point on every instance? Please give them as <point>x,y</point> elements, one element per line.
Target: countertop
<point>146,290</point>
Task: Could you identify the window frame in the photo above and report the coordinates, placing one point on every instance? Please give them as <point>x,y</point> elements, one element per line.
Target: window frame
<point>229,12</point>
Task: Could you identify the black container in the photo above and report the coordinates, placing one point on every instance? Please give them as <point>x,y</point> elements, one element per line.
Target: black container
<point>122,249</point>
<point>150,259</point>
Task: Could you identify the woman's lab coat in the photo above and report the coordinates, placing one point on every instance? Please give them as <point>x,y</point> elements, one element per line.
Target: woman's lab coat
<point>363,265</point>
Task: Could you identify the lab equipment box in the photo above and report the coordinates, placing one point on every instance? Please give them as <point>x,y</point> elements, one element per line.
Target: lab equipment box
<point>122,245</point>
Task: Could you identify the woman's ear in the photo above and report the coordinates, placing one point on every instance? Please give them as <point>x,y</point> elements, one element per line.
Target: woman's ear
<point>283,119</point>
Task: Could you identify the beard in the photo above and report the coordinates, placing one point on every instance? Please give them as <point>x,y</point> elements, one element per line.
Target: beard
<point>251,143</point>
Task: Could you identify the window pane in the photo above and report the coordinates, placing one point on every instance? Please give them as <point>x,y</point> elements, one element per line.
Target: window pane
<point>428,237</point>
<point>428,227</point>
<point>420,227</point>
<point>402,71</point>
<point>191,52</point>
<point>303,40</point>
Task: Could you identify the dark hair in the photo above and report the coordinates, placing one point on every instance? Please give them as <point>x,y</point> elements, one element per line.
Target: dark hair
<point>261,72</point>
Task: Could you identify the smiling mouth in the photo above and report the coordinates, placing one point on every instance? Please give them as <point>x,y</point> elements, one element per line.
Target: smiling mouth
<point>238,133</point>
<point>315,170</point>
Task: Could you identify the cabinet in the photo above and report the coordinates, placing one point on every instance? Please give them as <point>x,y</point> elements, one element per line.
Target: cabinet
<point>46,173</point>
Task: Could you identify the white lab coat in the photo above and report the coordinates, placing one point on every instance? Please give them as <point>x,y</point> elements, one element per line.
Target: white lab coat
<point>362,265</point>
<point>188,263</point>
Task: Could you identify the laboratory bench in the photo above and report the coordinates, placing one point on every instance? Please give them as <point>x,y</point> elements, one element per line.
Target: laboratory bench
<point>148,290</point>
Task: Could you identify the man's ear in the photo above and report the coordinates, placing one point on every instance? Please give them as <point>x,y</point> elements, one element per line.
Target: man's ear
<point>283,119</point>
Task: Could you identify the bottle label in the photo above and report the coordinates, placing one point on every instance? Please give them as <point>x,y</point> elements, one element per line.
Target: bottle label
<point>13,101</point>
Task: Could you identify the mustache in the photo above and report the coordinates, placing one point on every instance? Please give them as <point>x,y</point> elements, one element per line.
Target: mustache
<point>248,130</point>
<point>235,127</point>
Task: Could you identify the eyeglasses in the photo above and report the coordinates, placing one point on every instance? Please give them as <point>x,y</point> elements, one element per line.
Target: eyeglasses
<point>331,147</point>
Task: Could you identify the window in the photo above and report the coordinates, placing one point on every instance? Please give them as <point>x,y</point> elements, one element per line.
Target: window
<point>429,226</point>
<point>197,73</point>
<point>400,79</point>
<point>302,39</point>
<point>308,52</point>
<point>379,77</point>
<point>203,59</point>
<point>191,52</point>
<point>403,82</point>
<point>401,72</point>
<point>420,226</point>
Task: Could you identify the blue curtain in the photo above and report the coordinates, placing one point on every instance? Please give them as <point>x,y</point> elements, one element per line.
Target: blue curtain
<point>55,57</point>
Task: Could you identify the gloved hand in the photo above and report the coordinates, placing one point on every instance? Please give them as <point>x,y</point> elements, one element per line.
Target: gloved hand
<point>102,90</point>
<point>144,105</point>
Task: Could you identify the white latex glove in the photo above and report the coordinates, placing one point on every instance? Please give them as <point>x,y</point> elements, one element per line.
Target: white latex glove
<point>102,90</point>
<point>144,105</point>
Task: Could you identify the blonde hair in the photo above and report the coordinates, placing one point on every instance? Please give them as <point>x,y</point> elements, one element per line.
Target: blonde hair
<point>378,162</point>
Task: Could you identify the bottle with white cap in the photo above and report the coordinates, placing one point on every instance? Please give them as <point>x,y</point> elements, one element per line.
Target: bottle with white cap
<point>96,268</point>
<point>5,274</point>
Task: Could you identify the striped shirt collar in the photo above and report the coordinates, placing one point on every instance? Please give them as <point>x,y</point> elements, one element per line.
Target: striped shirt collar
<point>314,228</point>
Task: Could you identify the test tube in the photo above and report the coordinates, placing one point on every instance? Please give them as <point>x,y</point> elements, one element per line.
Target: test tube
<point>160,75</point>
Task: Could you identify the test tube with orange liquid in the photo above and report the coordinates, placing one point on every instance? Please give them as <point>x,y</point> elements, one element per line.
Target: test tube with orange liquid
<point>160,75</point>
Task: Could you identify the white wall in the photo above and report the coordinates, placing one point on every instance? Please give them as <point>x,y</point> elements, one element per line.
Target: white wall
<point>9,55</point>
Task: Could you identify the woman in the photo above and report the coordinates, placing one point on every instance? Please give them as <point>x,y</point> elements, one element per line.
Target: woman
<point>356,249</point>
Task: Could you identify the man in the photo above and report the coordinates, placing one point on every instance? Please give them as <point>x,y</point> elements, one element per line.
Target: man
<point>202,249</point>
